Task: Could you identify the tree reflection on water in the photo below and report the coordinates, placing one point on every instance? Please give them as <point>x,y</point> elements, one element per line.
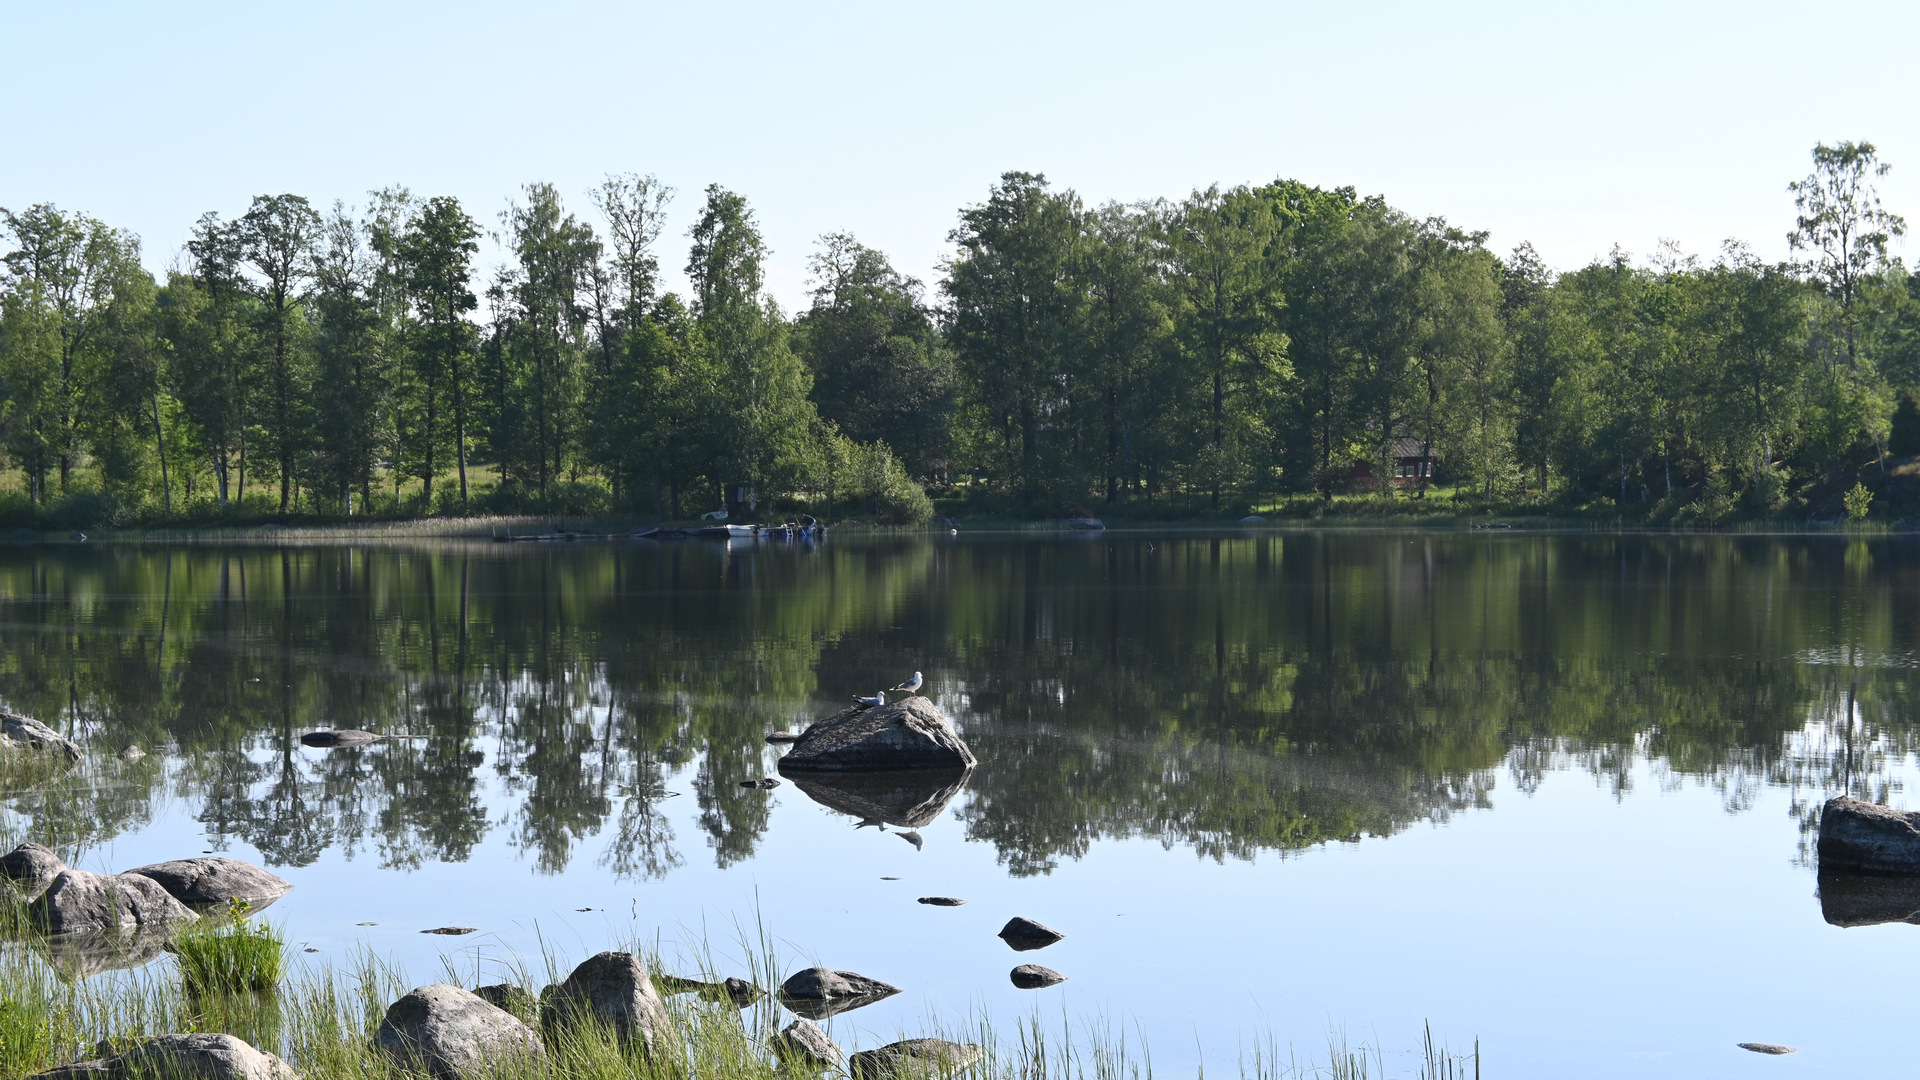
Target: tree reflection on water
<point>1230,695</point>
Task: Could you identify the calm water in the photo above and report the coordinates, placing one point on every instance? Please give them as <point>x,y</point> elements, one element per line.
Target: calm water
<point>1552,792</point>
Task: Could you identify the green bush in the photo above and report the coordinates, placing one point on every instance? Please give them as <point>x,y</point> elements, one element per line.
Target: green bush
<point>229,955</point>
<point>1858,501</point>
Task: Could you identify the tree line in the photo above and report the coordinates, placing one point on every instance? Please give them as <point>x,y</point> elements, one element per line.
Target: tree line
<point>1204,355</point>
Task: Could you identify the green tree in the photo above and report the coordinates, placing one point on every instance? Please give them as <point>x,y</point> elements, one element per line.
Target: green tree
<point>277,237</point>
<point>880,369</point>
<point>437,254</point>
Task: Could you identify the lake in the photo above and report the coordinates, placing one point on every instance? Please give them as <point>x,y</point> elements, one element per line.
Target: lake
<point>1556,793</point>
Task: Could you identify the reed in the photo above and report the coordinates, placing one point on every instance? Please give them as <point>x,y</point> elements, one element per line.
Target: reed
<point>230,955</point>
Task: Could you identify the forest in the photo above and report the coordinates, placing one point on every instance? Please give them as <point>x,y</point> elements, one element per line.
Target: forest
<point>1255,348</point>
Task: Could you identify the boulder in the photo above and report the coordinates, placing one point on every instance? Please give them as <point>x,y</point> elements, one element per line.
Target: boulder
<point>30,868</point>
<point>909,799</point>
<point>452,1033</point>
<point>1868,899</point>
<point>913,1059</point>
<point>905,734</point>
<point>803,1043</point>
<point>200,1056</point>
<point>24,734</point>
<point>76,901</point>
<point>209,881</point>
<point>818,992</point>
<point>1035,977</point>
<point>1867,837</point>
<point>517,1000</point>
<point>1025,935</point>
<point>612,988</point>
<point>341,737</point>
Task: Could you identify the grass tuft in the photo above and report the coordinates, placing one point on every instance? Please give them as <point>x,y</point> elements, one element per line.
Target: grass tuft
<point>231,955</point>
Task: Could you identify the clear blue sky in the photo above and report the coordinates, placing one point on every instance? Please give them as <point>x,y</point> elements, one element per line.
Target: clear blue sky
<point>1573,126</point>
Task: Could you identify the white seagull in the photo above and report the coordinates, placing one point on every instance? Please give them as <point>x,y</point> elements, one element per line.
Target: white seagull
<point>910,685</point>
<point>877,699</point>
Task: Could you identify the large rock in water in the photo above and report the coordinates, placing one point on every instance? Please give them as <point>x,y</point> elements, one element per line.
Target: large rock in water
<point>452,1033</point>
<point>208,881</point>
<point>200,1056</point>
<point>913,1059</point>
<point>908,798</point>
<point>23,733</point>
<point>818,993</point>
<point>1864,836</point>
<point>613,988</point>
<point>803,1043</point>
<point>77,901</point>
<point>906,734</point>
<point>30,868</point>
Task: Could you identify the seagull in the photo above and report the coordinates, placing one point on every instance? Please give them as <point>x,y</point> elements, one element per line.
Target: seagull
<point>910,685</point>
<point>877,699</point>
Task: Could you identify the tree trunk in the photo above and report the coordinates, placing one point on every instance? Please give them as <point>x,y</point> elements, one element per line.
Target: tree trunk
<point>160,446</point>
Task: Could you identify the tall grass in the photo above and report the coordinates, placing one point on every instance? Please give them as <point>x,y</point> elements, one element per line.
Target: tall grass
<point>230,955</point>
<point>323,1018</point>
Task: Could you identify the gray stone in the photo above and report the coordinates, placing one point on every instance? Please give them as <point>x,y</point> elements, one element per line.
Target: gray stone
<point>210,880</point>
<point>27,735</point>
<point>1767,1048</point>
<point>613,989</point>
<point>200,1056</point>
<point>1035,977</point>
<point>517,1000</point>
<point>452,931</point>
<point>1864,836</point>
<point>906,734</point>
<point>910,798</point>
<point>1868,899</point>
<point>818,992</point>
<point>452,1033</point>
<point>803,1043</point>
<point>30,868</point>
<point>911,1059</point>
<point>942,901</point>
<point>341,737</point>
<point>1025,935</point>
<point>76,901</point>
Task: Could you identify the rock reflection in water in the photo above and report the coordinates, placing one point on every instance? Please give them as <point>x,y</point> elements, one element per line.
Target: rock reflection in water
<point>1869,899</point>
<point>86,954</point>
<point>909,799</point>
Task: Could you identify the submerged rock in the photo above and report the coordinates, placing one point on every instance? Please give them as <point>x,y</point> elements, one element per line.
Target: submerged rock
<point>612,988</point>
<point>1025,935</point>
<point>452,1033</point>
<point>803,1043</point>
<point>1035,977</point>
<point>1767,1048</point>
<point>23,734</point>
<point>818,992</point>
<point>1864,836</point>
<point>737,990</point>
<point>942,901</point>
<point>452,931</point>
<point>209,881</point>
<point>909,799</point>
<point>906,734</point>
<point>765,783</point>
<point>76,901</point>
<point>911,1059</point>
<point>341,737</point>
<point>1868,899</point>
<point>30,868</point>
<point>200,1056</point>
